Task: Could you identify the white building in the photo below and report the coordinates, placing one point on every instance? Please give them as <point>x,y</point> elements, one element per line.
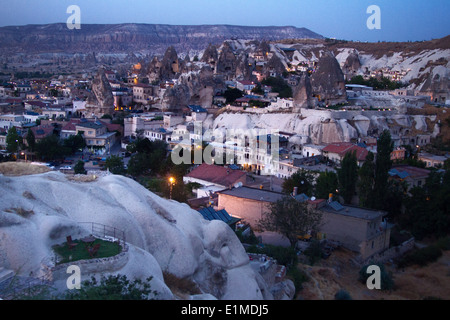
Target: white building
<point>281,104</point>
<point>134,124</point>
<point>156,134</point>
<point>142,93</point>
<point>311,150</point>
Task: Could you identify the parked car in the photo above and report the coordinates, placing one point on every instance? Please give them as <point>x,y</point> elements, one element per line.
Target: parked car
<point>50,166</point>
<point>66,168</point>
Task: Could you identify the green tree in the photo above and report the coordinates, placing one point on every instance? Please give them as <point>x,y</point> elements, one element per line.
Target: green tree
<point>279,85</point>
<point>113,287</point>
<point>12,140</point>
<point>395,198</point>
<point>149,156</point>
<point>31,140</point>
<point>258,90</point>
<point>232,94</point>
<point>74,143</point>
<point>79,168</point>
<point>383,164</point>
<point>115,165</point>
<point>290,218</point>
<point>427,209</point>
<point>139,164</point>
<point>51,148</point>
<point>179,192</point>
<point>348,176</point>
<point>326,183</point>
<point>302,179</point>
<point>366,181</point>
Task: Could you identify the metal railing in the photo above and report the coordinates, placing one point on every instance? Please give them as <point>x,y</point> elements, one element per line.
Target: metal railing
<point>106,232</point>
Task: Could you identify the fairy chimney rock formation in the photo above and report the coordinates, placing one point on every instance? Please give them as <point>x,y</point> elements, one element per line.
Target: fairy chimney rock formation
<point>100,101</point>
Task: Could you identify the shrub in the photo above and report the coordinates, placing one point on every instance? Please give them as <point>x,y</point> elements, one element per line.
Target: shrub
<point>443,243</point>
<point>421,257</point>
<point>342,295</point>
<point>314,252</point>
<point>112,287</point>
<point>298,277</point>
<point>79,168</point>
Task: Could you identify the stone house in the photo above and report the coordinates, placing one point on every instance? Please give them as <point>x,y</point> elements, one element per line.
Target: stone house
<point>413,176</point>
<point>432,160</point>
<point>95,134</point>
<point>358,229</point>
<point>248,204</point>
<point>337,151</point>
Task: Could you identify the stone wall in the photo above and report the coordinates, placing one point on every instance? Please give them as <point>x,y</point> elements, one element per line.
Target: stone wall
<point>392,253</point>
<point>91,266</point>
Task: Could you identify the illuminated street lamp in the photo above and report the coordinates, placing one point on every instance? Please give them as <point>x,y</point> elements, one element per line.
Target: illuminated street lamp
<point>171,183</point>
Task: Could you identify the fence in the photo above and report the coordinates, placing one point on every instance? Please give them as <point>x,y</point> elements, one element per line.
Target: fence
<point>106,232</point>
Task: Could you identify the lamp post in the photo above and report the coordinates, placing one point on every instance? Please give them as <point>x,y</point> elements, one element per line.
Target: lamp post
<point>171,183</point>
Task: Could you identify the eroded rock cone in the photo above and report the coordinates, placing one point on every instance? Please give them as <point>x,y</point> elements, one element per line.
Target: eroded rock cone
<point>170,65</point>
<point>327,81</point>
<point>302,94</point>
<point>100,101</point>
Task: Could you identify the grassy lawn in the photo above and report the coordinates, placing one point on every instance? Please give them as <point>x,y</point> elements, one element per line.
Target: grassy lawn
<point>80,252</point>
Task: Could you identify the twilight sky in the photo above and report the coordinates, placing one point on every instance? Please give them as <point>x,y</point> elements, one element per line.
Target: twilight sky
<point>343,19</point>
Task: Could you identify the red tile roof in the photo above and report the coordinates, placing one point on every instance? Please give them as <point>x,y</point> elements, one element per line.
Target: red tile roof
<point>41,131</point>
<point>216,174</point>
<point>246,82</point>
<point>70,126</point>
<point>342,148</point>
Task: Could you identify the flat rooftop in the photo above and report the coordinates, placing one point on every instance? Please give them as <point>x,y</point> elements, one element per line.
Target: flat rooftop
<point>351,211</point>
<point>254,194</point>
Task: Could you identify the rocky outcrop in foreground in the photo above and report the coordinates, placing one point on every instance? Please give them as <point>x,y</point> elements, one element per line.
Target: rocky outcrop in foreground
<point>163,235</point>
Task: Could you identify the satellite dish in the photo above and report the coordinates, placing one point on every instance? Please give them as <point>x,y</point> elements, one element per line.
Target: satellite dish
<point>313,198</point>
<point>238,185</point>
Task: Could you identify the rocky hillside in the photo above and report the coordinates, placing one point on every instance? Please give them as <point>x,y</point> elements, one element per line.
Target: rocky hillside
<point>38,211</point>
<point>413,63</point>
<point>323,127</point>
<point>124,38</point>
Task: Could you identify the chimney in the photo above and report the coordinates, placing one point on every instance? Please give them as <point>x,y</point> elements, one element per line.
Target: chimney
<point>294,193</point>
